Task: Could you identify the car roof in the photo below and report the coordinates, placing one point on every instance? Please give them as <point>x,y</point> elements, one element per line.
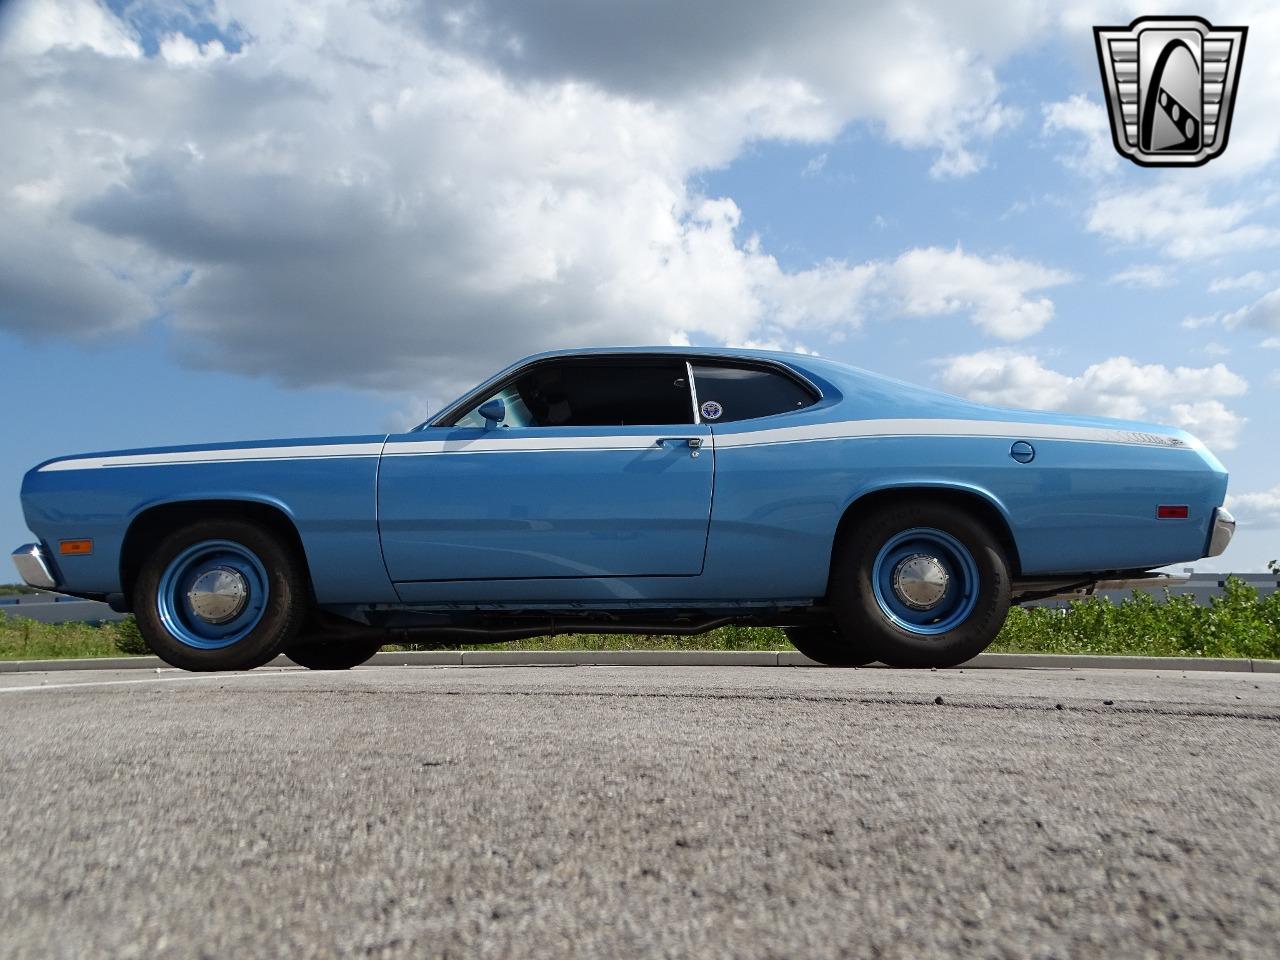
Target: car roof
<point>678,351</point>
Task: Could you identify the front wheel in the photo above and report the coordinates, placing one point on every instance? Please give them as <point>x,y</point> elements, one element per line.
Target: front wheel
<point>922,584</point>
<point>220,594</point>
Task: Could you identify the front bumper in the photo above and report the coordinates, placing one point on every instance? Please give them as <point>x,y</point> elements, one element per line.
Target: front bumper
<point>33,565</point>
<point>1220,534</point>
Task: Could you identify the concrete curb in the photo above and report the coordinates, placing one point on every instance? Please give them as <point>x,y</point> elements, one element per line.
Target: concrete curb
<point>681,658</point>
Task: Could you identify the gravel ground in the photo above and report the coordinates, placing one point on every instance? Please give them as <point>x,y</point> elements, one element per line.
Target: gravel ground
<point>636,811</point>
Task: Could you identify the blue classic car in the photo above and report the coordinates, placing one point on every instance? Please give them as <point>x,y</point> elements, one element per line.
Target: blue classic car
<point>666,490</point>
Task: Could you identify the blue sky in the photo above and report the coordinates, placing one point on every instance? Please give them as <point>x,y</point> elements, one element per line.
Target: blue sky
<point>226,220</point>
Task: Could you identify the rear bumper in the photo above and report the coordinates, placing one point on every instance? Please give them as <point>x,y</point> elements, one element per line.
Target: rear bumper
<point>1220,534</point>
<point>33,565</point>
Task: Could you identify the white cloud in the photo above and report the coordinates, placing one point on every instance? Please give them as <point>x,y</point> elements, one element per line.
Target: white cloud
<point>934,85</point>
<point>1116,387</point>
<point>1215,349</point>
<point>179,49</point>
<point>1211,421</point>
<point>1087,119</point>
<point>1262,314</point>
<point>1260,510</point>
<point>34,28</point>
<point>957,162</point>
<point>1180,220</point>
<point>366,195</point>
<point>1271,343</point>
<point>1196,322</point>
<point>1142,275</point>
<point>1007,379</point>
<point>815,165</point>
<point>1253,280</point>
<point>999,291</point>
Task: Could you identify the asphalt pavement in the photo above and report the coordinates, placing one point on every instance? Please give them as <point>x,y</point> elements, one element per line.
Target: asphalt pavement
<point>640,811</point>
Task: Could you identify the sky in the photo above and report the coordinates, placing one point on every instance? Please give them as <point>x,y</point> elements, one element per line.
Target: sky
<point>239,219</point>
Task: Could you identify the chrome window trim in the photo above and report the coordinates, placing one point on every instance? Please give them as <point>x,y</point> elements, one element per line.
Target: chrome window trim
<point>693,392</point>
<point>482,391</point>
<point>494,385</point>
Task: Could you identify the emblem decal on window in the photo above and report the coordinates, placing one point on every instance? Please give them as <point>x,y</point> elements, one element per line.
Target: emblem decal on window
<point>711,410</point>
<point>1170,87</point>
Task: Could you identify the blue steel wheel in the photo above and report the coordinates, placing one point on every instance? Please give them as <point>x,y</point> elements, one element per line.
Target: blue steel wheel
<point>925,581</point>
<point>920,583</point>
<point>220,594</point>
<point>212,594</point>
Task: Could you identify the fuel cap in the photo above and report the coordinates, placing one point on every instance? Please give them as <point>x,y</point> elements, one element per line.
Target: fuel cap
<point>1023,452</point>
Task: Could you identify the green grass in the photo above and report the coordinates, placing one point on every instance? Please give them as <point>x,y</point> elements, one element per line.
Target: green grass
<point>22,639</point>
<point>1236,624</point>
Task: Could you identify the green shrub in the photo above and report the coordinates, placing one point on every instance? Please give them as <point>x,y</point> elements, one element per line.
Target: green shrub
<point>129,638</point>
<point>1236,624</point>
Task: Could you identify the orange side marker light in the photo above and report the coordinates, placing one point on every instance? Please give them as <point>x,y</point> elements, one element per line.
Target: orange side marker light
<point>75,548</point>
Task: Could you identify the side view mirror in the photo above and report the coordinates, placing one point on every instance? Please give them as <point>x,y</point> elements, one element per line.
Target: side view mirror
<point>494,412</point>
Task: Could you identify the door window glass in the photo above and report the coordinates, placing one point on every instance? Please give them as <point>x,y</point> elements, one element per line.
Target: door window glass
<point>601,393</point>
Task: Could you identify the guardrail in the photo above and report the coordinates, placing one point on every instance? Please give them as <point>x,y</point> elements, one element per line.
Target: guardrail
<point>47,607</point>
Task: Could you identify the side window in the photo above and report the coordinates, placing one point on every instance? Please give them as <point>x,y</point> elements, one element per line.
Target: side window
<point>600,393</point>
<point>727,393</point>
<point>517,413</point>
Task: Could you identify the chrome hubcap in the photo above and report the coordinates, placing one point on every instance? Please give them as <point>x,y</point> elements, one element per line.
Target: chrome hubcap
<point>920,581</point>
<point>218,595</point>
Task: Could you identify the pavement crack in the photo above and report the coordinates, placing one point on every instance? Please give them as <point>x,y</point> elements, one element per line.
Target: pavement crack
<point>1189,711</point>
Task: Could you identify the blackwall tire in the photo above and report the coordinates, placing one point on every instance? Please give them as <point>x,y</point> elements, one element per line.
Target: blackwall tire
<point>221,594</point>
<point>921,583</point>
<point>827,646</point>
<point>332,654</point>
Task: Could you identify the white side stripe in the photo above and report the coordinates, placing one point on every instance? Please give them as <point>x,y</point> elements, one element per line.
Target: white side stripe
<point>313,452</point>
<point>1013,430</point>
<point>527,444</point>
<point>846,430</point>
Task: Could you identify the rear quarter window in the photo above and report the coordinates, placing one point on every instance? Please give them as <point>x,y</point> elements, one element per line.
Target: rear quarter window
<point>727,393</point>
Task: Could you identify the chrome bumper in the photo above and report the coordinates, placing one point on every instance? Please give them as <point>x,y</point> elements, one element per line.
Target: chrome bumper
<point>33,565</point>
<point>1224,528</point>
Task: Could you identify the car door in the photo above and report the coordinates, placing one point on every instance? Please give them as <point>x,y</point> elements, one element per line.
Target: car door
<point>598,469</point>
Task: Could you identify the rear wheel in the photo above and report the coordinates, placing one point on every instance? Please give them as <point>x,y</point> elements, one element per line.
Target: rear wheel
<point>921,584</point>
<point>220,594</point>
<point>827,646</point>
<point>333,654</point>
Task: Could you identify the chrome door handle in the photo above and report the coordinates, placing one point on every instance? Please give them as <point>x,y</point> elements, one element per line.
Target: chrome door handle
<point>693,443</point>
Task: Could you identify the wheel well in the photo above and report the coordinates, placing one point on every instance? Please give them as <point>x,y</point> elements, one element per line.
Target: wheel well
<point>973,504</point>
<point>154,523</point>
